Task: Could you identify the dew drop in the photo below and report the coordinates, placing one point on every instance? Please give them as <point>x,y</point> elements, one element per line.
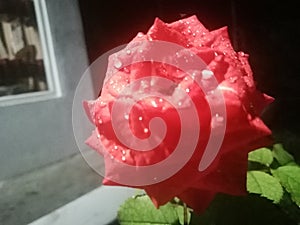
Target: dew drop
<point>126,70</point>
<point>146,130</point>
<point>242,53</point>
<point>126,116</point>
<point>233,79</point>
<point>216,54</point>
<point>154,104</point>
<point>123,158</point>
<point>207,74</point>
<point>187,90</point>
<point>98,136</point>
<point>194,34</point>
<point>118,64</point>
<point>160,100</point>
<point>195,74</point>
<point>128,52</point>
<point>141,51</point>
<point>140,35</point>
<point>179,103</point>
<point>140,118</point>
<point>123,152</point>
<point>112,157</point>
<point>217,121</point>
<point>116,147</point>
<point>100,121</point>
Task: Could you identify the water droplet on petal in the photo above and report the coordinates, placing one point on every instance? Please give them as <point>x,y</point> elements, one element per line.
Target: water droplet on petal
<point>233,79</point>
<point>115,147</point>
<point>126,70</point>
<point>100,121</point>
<point>154,104</point>
<point>123,152</point>
<point>126,116</point>
<point>217,121</point>
<point>179,103</point>
<point>128,52</point>
<point>112,157</point>
<point>187,90</point>
<point>194,34</point>
<point>140,34</point>
<point>98,136</point>
<point>141,51</point>
<point>146,130</point>
<point>123,158</point>
<point>140,118</point>
<point>160,100</point>
<point>207,74</point>
<point>216,54</point>
<point>242,53</point>
<point>118,64</point>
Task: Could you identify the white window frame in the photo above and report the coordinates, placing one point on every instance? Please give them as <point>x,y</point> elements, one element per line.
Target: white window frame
<point>49,61</point>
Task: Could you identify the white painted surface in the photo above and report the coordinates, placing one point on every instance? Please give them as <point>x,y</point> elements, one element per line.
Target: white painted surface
<point>98,207</point>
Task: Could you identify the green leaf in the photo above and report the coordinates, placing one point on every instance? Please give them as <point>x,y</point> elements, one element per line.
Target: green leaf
<point>281,155</point>
<point>180,213</point>
<point>141,211</point>
<point>263,156</point>
<point>289,177</point>
<point>259,182</point>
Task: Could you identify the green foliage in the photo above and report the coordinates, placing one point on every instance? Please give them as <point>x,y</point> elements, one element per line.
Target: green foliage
<point>279,173</point>
<point>259,182</point>
<point>262,155</point>
<point>281,155</point>
<point>141,211</point>
<point>289,177</point>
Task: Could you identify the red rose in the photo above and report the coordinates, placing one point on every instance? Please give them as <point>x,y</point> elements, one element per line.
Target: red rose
<point>211,111</point>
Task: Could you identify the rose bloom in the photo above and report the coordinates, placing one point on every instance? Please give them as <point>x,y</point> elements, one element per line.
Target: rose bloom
<point>244,131</point>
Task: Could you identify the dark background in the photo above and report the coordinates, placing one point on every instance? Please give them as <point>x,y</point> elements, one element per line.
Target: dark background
<point>267,30</point>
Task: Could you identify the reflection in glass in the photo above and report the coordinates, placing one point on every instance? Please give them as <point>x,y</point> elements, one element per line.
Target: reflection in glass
<point>21,56</point>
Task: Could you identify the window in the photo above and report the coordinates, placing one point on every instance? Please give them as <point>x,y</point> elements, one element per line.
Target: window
<point>27,62</point>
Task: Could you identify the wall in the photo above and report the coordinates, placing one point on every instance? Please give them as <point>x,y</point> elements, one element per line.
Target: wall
<point>36,134</point>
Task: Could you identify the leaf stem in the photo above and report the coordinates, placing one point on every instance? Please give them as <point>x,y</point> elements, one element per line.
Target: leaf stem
<point>185,214</point>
